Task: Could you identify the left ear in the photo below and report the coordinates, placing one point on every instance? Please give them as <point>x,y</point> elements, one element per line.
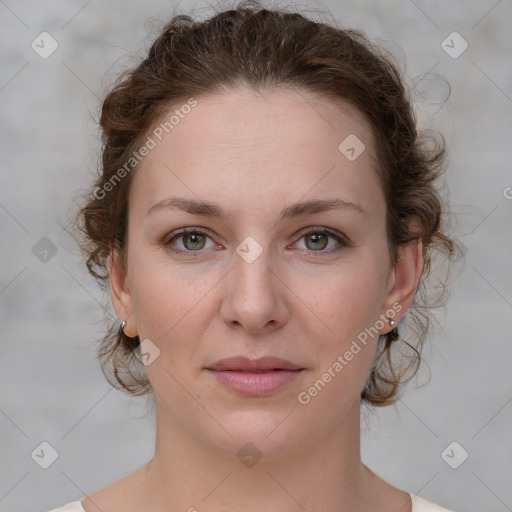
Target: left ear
<point>404,277</point>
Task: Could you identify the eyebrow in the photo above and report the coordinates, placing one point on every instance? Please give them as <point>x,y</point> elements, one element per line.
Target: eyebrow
<point>209,209</point>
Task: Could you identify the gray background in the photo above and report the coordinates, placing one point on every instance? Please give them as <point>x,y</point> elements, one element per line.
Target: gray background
<point>52,388</point>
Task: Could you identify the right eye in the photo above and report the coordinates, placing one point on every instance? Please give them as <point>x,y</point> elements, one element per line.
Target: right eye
<point>191,239</point>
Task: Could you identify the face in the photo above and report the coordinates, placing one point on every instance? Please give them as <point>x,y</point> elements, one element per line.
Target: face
<point>256,275</point>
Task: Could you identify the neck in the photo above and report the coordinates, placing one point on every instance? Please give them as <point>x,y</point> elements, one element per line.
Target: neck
<point>320,474</point>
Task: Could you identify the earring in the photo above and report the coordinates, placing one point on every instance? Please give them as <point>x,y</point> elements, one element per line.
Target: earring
<point>393,334</point>
<point>122,326</point>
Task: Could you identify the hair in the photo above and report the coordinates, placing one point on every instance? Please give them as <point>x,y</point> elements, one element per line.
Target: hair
<point>263,49</point>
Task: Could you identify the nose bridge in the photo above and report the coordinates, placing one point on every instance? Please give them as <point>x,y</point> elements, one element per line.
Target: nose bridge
<point>253,298</point>
<point>252,274</point>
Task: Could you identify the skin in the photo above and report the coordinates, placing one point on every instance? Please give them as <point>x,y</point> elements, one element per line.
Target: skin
<point>253,155</point>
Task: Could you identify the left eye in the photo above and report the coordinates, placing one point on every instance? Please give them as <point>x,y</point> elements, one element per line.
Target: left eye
<point>318,241</point>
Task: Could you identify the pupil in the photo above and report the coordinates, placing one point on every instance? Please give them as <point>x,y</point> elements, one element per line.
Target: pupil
<point>315,239</point>
<point>195,239</point>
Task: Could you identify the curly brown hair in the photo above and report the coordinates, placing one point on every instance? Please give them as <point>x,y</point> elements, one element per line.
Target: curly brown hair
<point>251,46</point>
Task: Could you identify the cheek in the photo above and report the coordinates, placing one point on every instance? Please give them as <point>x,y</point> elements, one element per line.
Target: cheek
<point>169,304</point>
<point>167,297</point>
<point>350,297</point>
<point>349,303</point>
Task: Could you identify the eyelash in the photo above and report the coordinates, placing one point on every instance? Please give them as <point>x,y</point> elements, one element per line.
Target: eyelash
<point>342,240</point>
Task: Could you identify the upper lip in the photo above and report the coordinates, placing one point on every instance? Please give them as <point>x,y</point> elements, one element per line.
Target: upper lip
<point>242,363</point>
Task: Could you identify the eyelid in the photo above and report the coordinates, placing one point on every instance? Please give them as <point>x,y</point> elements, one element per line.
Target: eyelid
<point>184,231</point>
<point>325,230</point>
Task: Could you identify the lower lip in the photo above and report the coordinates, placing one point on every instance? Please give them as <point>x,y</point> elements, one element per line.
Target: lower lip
<point>256,384</point>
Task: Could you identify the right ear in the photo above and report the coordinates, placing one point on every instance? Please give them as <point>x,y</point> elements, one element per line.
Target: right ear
<point>121,296</point>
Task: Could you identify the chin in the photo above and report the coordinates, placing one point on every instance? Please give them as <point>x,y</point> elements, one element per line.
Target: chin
<point>266,433</point>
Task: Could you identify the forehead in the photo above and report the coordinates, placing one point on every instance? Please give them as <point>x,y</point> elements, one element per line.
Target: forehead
<point>240,146</point>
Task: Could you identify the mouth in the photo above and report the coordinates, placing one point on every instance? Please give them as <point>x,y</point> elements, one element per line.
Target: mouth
<point>255,377</point>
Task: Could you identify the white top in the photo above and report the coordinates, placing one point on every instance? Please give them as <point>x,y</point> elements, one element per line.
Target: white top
<point>418,505</point>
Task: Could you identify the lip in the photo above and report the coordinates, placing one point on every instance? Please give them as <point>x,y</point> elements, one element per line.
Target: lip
<point>244,364</point>
<point>255,377</point>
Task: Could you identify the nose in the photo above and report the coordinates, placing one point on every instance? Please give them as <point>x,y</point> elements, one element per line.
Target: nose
<point>254,296</point>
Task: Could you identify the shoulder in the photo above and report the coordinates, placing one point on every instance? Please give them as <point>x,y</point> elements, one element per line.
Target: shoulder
<point>73,506</point>
<point>418,505</point>
<point>421,505</point>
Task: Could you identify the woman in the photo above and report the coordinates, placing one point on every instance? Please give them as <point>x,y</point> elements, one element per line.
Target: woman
<point>265,217</point>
